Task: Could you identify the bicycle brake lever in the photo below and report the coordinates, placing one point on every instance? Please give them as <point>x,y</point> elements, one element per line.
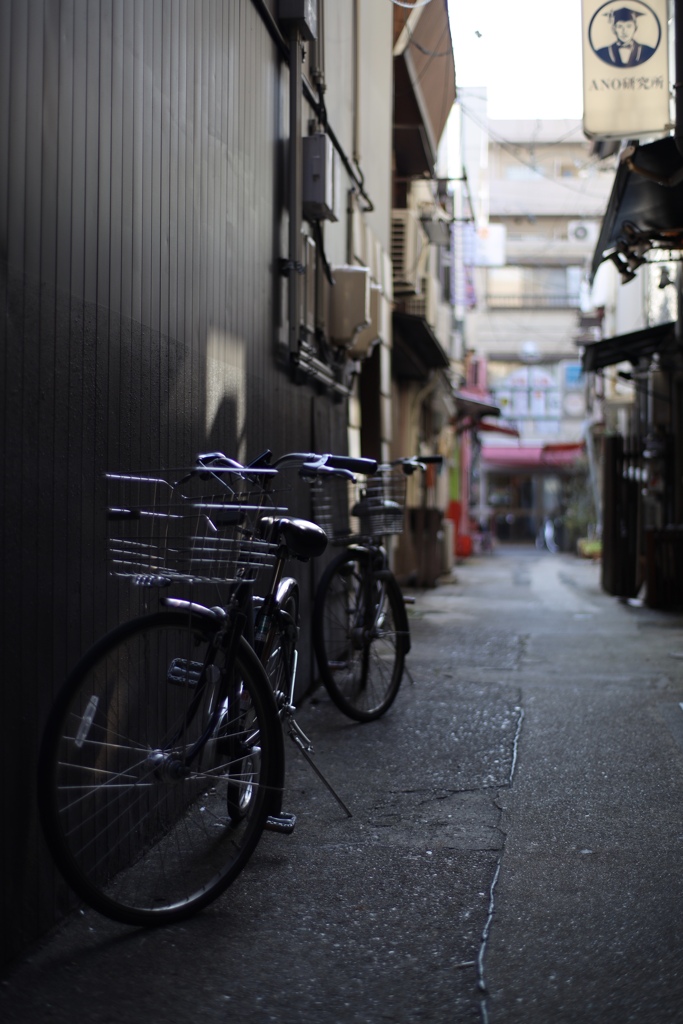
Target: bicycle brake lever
<point>311,470</point>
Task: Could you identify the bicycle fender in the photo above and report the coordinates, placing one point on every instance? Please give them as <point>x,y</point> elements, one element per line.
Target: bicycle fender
<point>285,588</point>
<point>388,577</point>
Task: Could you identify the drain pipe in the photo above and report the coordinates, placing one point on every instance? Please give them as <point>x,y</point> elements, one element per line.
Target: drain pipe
<point>678,134</point>
<point>678,74</point>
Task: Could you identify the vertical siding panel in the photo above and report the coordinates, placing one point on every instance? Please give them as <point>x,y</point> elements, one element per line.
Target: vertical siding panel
<point>18,127</point>
<point>79,165</point>
<point>223,100</point>
<point>62,368</point>
<point>29,337</point>
<point>127,151</point>
<point>230,284</point>
<point>163,36</point>
<point>104,412</point>
<point>125,147</point>
<point>195,337</point>
<point>171,215</point>
<point>164,41</point>
<point>155,398</point>
<point>92,426</point>
<point>213,145</point>
<point>137,134</point>
<point>91,129</point>
<point>113,94</point>
<point>105,115</point>
<point>5,90</point>
<point>263,158</point>
<point>79,410</point>
<point>187,100</point>
<point>33,161</point>
<point>42,415</point>
<point>5,358</point>
<point>15,77</point>
<point>201,133</point>
<point>143,442</point>
<point>143,190</point>
<point>177,199</point>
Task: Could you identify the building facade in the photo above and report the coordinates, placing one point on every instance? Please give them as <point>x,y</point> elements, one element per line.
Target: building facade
<point>538,197</point>
<point>173,279</point>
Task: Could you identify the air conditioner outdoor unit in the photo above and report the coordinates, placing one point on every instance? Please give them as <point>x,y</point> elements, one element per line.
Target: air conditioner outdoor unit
<point>349,304</point>
<point>367,337</point>
<point>407,243</point>
<point>584,231</point>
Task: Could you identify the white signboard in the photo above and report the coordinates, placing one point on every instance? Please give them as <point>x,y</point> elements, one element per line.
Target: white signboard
<point>625,69</point>
<point>490,245</point>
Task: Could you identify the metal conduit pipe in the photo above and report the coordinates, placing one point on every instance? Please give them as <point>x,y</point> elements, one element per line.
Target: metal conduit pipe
<point>318,107</point>
<point>678,74</point>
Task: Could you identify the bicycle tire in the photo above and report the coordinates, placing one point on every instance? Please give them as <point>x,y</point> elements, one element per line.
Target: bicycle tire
<point>360,635</point>
<point>136,756</point>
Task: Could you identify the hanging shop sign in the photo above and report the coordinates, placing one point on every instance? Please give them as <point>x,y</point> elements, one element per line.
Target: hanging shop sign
<point>625,69</point>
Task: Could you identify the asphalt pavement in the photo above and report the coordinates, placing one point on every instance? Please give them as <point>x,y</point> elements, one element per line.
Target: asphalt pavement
<point>513,856</point>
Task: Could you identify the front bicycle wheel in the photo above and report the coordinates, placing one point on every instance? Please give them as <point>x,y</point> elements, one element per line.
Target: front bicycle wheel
<point>148,733</point>
<point>359,635</point>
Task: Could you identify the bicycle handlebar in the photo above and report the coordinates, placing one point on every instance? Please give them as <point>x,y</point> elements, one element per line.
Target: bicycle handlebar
<point>410,463</point>
<point>365,466</point>
<point>310,463</point>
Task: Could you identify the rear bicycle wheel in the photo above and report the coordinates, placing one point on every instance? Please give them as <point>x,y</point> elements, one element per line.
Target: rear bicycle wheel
<point>359,635</point>
<point>147,734</point>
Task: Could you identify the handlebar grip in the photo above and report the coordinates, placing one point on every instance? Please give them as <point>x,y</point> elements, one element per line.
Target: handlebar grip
<point>365,466</point>
<point>431,460</point>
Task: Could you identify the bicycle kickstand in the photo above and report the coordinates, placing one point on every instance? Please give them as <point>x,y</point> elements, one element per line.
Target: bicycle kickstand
<point>302,742</point>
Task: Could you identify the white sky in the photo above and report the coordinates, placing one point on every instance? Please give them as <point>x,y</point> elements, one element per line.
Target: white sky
<point>527,53</point>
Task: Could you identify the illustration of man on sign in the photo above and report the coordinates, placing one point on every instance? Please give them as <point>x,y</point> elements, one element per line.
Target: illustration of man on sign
<point>626,51</point>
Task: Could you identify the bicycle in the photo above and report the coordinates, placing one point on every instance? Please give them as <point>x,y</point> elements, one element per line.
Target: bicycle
<point>360,625</point>
<point>162,760</point>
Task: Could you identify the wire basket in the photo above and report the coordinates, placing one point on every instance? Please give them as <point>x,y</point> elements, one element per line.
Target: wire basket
<point>201,528</point>
<point>332,498</point>
<point>374,507</point>
<point>381,507</point>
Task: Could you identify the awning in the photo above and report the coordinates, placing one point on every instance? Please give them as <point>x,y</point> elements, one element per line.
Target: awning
<point>645,206</point>
<point>416,349</point>
<point>424,85</point>
<point>470,410</point>
<point>533,458</point>
<point>629,347</point>
<point>469,404</point>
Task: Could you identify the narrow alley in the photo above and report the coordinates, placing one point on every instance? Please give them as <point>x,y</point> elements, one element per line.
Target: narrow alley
<point>514,854</point>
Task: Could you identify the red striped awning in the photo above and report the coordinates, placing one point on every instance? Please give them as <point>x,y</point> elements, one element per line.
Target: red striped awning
<point>531,457</point>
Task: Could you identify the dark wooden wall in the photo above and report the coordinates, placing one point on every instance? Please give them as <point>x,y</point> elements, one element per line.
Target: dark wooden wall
<point>141,215</point>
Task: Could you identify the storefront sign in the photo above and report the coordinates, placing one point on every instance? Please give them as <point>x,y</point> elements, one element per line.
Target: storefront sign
<point>625,69</point>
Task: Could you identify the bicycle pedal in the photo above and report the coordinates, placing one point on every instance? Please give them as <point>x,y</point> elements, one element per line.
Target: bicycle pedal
<point>282,823</point>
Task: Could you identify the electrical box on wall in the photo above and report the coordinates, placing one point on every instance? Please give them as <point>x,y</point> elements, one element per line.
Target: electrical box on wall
<point>320,178</point>
<point>349,304</point>
<point>302,13</point>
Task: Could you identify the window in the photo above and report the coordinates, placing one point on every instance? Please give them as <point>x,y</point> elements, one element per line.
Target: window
<point>533,287</point>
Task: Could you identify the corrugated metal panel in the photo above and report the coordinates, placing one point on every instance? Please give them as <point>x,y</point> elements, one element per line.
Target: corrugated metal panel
<point>139,231</point>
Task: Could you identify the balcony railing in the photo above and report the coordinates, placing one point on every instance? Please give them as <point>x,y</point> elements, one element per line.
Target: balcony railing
<point>537,300</point>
